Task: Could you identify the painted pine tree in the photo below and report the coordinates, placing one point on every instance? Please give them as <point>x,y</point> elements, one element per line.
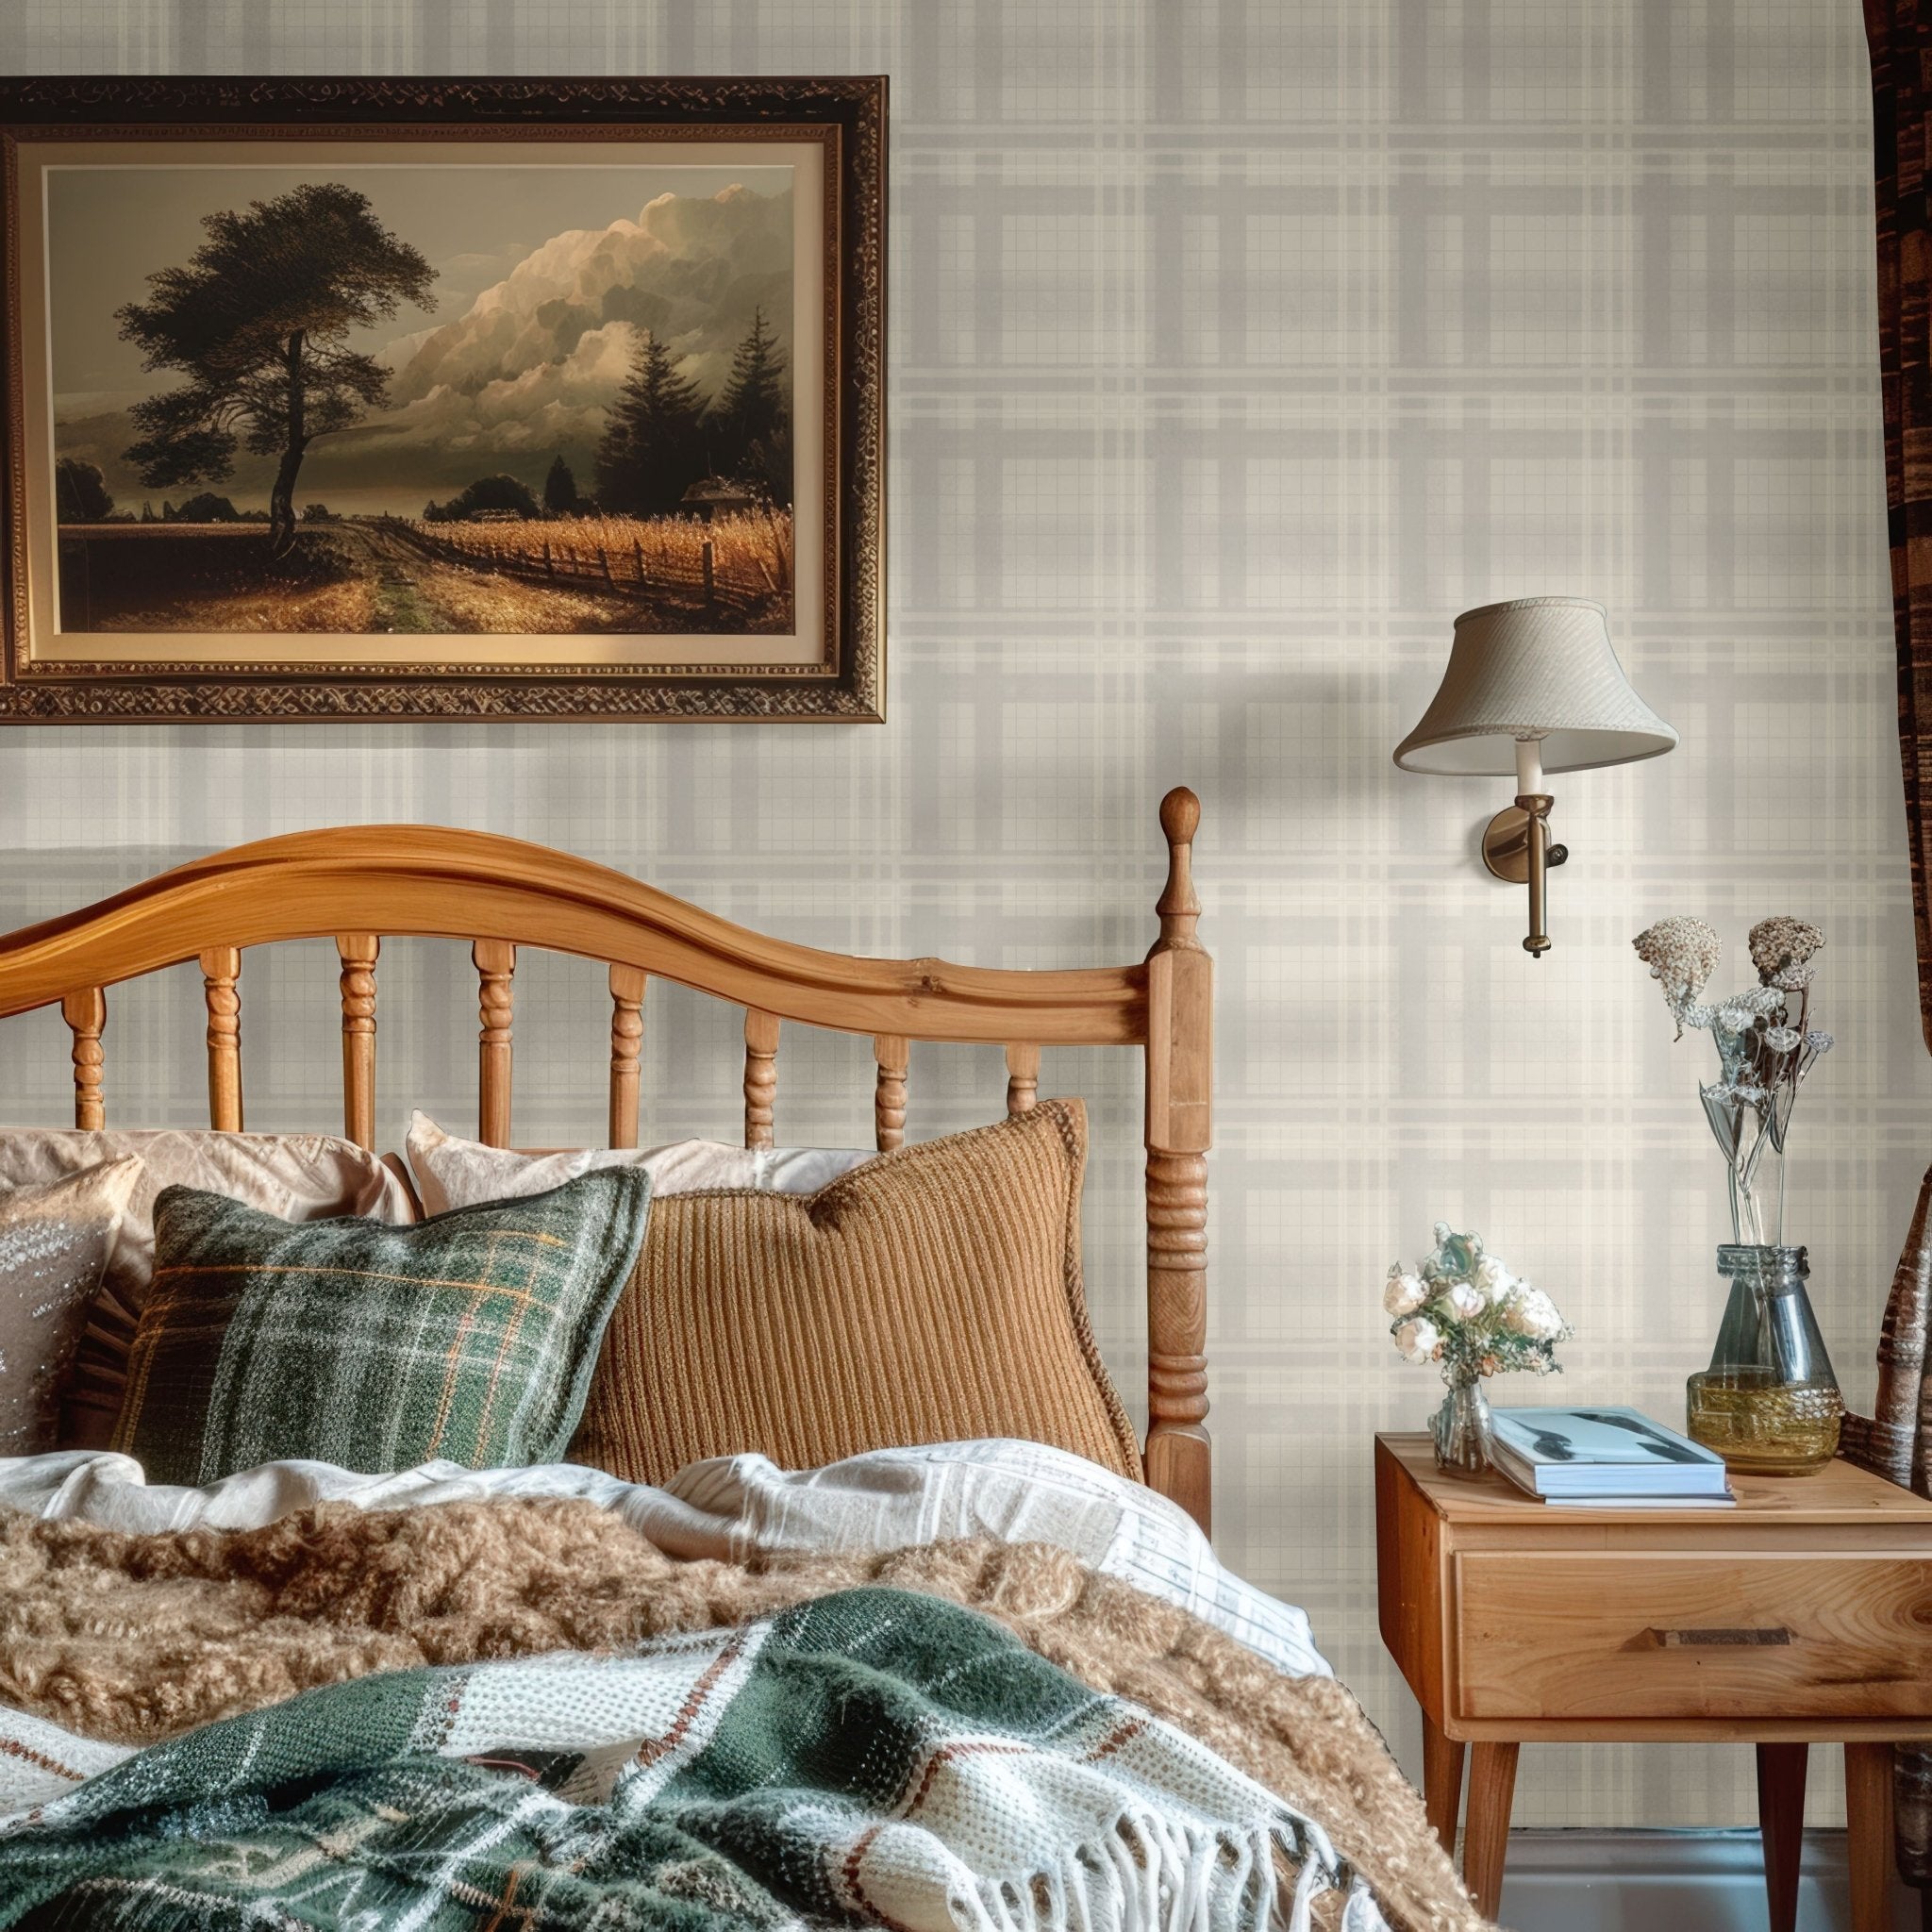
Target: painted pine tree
<point>752,421</point>
<point>653,447</point>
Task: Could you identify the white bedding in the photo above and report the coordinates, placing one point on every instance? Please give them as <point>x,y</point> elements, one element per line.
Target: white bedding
<point>1011,1490</point>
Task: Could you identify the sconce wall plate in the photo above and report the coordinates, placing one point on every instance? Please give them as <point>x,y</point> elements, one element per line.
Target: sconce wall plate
<point>1506,847</point>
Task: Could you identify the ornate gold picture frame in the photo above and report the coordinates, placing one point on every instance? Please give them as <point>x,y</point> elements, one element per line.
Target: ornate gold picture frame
<point>443,399</point>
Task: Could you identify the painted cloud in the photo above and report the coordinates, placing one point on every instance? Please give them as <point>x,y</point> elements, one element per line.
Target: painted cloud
<point>528,370</point>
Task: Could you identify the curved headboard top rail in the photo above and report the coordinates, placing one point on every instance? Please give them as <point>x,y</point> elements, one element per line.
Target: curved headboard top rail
<point>432,881</point>
<point>359,885</point>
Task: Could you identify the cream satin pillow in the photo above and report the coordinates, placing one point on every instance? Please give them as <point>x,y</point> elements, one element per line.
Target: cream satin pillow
<point>297,1176</point>
<point>450,1173</point>
<point>55,1241</point>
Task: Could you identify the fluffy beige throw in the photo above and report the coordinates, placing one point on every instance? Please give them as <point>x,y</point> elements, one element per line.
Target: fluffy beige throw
<point>134,1639</point>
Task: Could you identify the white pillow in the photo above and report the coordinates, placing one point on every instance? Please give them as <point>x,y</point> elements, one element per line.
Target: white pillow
<point>451,1172</point>
<point>55,1241</point>
<point>298,1177</point>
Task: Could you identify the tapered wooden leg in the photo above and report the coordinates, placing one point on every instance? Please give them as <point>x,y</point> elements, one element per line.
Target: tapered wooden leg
<point>1486,1834</point>
<point>1781,1823</point>
<point>1441,1781</point>
<point>1868,1833</point>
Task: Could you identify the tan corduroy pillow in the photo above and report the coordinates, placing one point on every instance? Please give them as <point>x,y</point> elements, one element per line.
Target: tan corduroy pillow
<point>932,1295</point>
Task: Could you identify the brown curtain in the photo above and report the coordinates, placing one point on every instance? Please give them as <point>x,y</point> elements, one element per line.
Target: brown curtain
<point>1894,1441</point>
<point>1900,33</point>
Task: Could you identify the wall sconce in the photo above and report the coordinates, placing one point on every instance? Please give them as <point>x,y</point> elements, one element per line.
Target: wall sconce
<point>1532,687</point>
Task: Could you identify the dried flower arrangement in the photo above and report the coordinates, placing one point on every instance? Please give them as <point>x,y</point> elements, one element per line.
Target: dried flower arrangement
<point>1765,1048</point>
<point>1463,1309</point>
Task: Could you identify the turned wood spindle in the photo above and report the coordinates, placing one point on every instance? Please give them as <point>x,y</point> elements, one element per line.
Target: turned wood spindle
<point>86,1013</point>
<point>626,1038</point>
<point>1022,1078</point>
<point>359,952</point>
<point>1177,909</point>
<point>888,1092</point>
<point>221,969</point>
<point>760,1075</point>
<point>1180,994</point>
<point>495,961</point>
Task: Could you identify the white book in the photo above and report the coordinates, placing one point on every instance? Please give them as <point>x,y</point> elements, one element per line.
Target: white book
<point>1587,1451</point>
<point>1725,1501</point>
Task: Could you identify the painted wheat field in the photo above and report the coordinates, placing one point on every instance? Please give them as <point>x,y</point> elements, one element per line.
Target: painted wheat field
<point>592,574</point>
<point>305,395</point>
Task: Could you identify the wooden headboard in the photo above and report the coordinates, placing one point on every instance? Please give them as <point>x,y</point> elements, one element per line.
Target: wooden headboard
<point>358,884</point>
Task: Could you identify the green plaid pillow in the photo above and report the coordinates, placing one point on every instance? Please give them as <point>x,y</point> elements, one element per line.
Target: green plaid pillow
<point>470,1336</point>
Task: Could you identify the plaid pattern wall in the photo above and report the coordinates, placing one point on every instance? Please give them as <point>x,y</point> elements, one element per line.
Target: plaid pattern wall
<point>469,1339</point>
<point>1234,350</point>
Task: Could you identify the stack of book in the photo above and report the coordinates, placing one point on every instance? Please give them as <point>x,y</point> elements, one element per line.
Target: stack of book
<point>1606,1458</point>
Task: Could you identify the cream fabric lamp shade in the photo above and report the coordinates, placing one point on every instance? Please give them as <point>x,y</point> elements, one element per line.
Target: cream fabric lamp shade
<point>1537,666</point>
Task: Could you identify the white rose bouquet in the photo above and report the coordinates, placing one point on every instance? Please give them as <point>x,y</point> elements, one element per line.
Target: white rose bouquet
<point>1463,1309</point>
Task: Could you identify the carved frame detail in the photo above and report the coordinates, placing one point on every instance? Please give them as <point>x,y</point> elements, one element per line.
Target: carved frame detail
<point>848,111</point>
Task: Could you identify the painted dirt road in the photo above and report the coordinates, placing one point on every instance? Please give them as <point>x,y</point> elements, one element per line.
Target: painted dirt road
<point>381,575</point>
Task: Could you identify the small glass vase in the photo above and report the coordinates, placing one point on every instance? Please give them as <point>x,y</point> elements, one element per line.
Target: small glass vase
<point>1769,1402</point>
<point>1461,1429</point>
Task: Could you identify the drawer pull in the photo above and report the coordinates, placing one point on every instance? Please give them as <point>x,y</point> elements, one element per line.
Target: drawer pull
<point>1699,1640</point>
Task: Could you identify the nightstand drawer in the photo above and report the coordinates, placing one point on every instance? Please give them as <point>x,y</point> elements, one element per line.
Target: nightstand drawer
<point>1635,1633</point>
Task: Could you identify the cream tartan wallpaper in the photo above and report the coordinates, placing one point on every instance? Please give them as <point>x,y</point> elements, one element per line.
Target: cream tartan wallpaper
<point>1236,347</point>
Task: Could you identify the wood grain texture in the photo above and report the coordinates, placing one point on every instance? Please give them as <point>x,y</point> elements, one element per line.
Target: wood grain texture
<point>1781,1825</point>
<point>1486,1835</point>
<point>1803,1615</point>
<point>1553,1635</point>
<point>1868,1833</point>
<point>221,971</point>
<point>1840,1495</point>
<point>626,1043</point>
<point>760,1076</point>
<point>1179,1130</point>
<point>431,881</point>
<point>495,961</point>
<point>1022,1078</point>
<point>892,1058</point>
<point>86,1013</point>
<point>1441,1782</point>
<point>1409,1580</point>
<point>349,884</point>
<point>359,952</point>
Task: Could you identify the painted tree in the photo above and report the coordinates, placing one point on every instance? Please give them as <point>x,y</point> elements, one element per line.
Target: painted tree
<point>80,493</point>
<point>753,417</point>
<point>258,321</point>
<point>498,492</point>
<point>559,488</point>
<point>653,447</point>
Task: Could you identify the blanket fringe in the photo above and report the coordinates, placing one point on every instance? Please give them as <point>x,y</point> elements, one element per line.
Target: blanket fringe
<point>1151,1875</point>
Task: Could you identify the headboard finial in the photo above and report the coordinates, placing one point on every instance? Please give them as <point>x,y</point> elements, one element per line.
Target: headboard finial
<point>1179,909</point>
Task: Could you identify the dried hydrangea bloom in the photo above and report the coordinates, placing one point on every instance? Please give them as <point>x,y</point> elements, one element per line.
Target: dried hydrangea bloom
<point>1776,943</point>
<point>1793,978</point>
<point>1681,953</point>
<point>1783,1039</point>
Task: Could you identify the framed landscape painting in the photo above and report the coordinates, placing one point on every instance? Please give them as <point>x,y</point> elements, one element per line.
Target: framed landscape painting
<point>423,399</point>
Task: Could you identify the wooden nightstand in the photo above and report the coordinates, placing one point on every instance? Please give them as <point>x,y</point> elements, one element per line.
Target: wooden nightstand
<point>1802,1616</point>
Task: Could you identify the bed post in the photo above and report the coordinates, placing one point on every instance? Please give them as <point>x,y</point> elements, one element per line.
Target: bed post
<point>1180,1059</point>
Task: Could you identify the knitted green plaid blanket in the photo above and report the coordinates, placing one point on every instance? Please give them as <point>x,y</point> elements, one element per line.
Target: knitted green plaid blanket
<point>872,1756</point>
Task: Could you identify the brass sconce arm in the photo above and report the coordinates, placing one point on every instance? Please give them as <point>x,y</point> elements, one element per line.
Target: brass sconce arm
<point>1516,849</point>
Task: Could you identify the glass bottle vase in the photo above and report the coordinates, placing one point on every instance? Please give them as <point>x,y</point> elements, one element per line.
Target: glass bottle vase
<point>1769,1402</point>
<point>1461,1429</point>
